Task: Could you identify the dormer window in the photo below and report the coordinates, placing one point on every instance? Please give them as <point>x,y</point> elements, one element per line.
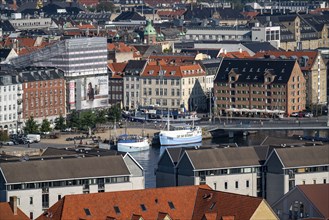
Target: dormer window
<point>151,72</point>
<point>269,79</point>
<point>232,78</point>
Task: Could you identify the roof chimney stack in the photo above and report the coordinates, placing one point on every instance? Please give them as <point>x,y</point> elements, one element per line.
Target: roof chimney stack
<point>13,204</point>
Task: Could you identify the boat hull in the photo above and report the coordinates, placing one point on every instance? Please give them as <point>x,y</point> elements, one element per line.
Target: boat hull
<point>169,138</point>
<point>134,146</point>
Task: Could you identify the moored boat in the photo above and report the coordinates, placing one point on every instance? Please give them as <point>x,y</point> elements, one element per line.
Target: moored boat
<point>132,143</point>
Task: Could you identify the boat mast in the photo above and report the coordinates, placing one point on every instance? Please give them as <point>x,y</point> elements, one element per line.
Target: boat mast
<point>168,126</point>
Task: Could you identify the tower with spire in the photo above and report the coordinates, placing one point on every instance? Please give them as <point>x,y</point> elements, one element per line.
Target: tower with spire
<point>150,33</point>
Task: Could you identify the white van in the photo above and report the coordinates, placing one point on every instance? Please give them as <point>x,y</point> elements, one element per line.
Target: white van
<point>34,137</point>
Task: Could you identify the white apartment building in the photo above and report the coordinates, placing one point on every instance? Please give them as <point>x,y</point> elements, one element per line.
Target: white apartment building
<point>235,170</point>
<point>31,23</point>
<point>10,102</point>
<point>40,183</point>
<point>171,86</point>
<point>131,83</point>
<point>266,34</point>
<point>288,167</point>
<point>224,33</point>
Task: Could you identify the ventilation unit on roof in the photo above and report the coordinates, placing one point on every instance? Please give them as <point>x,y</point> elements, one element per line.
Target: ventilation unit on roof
<point>248,77</point>
<point>280,78</point>
<point>255,77</point>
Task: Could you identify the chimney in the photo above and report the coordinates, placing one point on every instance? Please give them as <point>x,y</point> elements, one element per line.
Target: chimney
<point>13,204</point>
<point>240,50</point>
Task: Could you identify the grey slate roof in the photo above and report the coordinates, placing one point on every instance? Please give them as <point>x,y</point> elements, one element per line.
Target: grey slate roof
<point>223,158</point>
<point>252,70</point>
<point>46,170</point>
<point>304,156</point>
<point>135,67</point>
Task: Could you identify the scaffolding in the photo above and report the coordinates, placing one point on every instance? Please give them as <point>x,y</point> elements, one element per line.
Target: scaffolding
<point>39,55</point>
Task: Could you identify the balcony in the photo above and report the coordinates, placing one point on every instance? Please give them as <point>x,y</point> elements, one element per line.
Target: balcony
<point>19,110</point>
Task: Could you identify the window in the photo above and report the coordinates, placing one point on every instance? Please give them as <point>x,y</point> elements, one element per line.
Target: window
<point>324,181</point>
<point>143,207</point>
<point>236,184</point>
<point>87,211</point>
<point>171,205</point>
<point>247,183</point>
<point>117,210</point>
<point>31,215</point>
<point>225,185</point>
<point>31,200</point>
<point>59,197</point>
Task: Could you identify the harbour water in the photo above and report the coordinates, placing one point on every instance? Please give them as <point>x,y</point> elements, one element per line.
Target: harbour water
<point>149,159</point>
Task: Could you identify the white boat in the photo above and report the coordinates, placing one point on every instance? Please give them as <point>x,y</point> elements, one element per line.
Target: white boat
<point>180,134</point>
<point>132,143</point>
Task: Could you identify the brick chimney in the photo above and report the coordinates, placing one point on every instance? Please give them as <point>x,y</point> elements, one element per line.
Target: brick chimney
<point>13,204</point>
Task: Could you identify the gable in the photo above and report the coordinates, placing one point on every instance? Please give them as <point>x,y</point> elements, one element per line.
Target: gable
<point>264,212</point>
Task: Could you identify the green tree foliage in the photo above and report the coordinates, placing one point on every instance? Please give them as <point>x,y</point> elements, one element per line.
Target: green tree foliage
<point>87,119</point>
<point>45,126</point>
<point>73,119</point>
<point>60,123</point>
<point>105,6</point>
<point>31,126</point>
<point>114,113</point>
<point>4,135</point>
<point>100,116</point>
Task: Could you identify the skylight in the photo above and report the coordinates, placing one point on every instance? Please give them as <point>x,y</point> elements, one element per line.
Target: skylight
<point>171,205</point>
<point>117,210</point>
<point>143,207</point>
<point>87,211</point>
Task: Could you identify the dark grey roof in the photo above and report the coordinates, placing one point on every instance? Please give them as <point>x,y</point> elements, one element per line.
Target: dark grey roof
<point>253,70</point>
<point>129,16</point>
<point>45,170</point>
<point>6,26</point>
<point>259,46</point>
<point>51,151</point>
<point>223,158</point>
<point>175,153</point>
<point>304,156</point>
<point>213,53</point>
<point>134,67</point>
<point>4,53</point>
<point>31,74</point>
<point>206,13</point>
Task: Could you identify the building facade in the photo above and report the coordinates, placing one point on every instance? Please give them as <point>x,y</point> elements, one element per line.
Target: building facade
<point>289,167</point>
<point>314,70</point>
<point>10,102</point>
<point>38,183</point>
<point>219,168</point>
<point>174,85</point>
<point>260,86</point>
<point>44,93</point>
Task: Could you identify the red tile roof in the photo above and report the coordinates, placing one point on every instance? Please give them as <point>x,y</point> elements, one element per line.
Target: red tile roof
<point>168,13</point>
<point>318,194</point>
<point>250,14</point>
<point>88,2</point>
<point>185,202</point>
<point>86,26</point>
<point>236,54</point>
<point>173,57</point>
<point>6,212</point>
<point>117,69</point>
<point>312,55</point>
<point>177,70</point>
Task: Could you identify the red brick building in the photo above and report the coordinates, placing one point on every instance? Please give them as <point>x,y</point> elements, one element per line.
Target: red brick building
<point>260,86</point>
<point>43,93</point>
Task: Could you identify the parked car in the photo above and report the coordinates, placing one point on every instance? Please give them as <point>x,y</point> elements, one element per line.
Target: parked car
<point>307,114</point>
<point>294,114</point>
<point>8,143</point>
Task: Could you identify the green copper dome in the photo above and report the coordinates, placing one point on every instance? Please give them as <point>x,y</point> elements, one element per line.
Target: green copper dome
<point>149,29</point>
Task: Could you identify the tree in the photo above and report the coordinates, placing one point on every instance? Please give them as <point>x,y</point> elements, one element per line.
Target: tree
<point>100,116</point>
<point>87,119</point>
<point>4,135</point>
<point>45,126</point>
<point>73,119</point>
<point>114,113</point>
<point>31,126</point>
<point>60,123</point>
<point>105,6</point>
